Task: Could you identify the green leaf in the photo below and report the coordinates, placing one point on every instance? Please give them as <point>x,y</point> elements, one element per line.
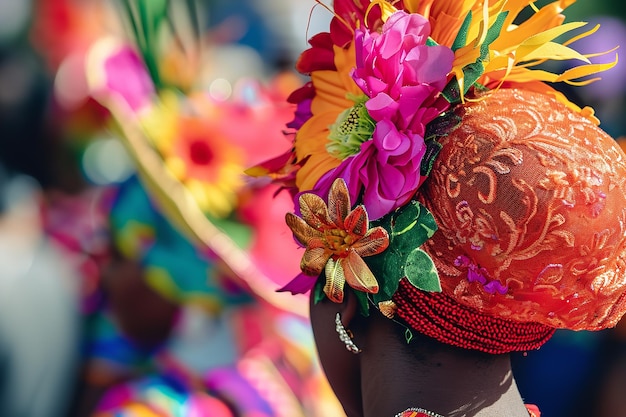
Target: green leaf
<point>146,18</point>
<point>452,92</point>
<point>192,8</point>
<point>152,13</point>
<point>432,150</point>
<point>390,265</point>
<point>411,226</point>
<point>405,219</point>
<point>362,300</point>
<point>408,335</point>
<point>442,126</point>
<point>191,24</point>
<point>492,34</point>
<point>421,271</point>
<point>318,291</point>
<point>408,227</point>
<point>461,37</point>
<point>130,14</point>
<point>472,72</point>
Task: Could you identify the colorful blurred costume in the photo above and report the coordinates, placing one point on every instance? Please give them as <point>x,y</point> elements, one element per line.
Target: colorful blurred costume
<point>225,351</point>
<point>180,328</point>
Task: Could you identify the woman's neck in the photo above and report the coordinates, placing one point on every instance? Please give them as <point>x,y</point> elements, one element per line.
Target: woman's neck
<point>450,382</point>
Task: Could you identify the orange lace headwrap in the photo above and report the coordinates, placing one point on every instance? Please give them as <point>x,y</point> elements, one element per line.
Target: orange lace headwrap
<point>530,201</point>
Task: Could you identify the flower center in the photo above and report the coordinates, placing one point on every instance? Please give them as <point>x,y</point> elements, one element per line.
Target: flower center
<point>338,241</point>
<point>200,153</point>
<point>352,127</point>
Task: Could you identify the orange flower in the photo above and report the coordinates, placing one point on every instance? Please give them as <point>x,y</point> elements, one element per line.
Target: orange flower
<point>446,17</point>
<point>331,89</point>
<point>518,49</point>
<point>196,152</point>
<point>336,239</point>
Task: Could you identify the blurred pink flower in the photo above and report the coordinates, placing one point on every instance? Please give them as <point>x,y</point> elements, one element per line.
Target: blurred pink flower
<point>127,76</point>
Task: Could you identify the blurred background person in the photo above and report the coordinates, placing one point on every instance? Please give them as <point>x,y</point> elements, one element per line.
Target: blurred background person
<point>39,325</point>
<point>169,327</point>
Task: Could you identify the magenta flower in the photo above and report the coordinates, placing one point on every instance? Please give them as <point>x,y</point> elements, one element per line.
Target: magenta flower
<point>403,77</point>
<point>301,284</point>
<point>302,97</point>
<point>400,74</point>
<point>128,77</point>
<point>386,170</point>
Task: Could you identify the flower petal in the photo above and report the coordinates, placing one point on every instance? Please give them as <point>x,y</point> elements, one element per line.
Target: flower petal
<point>357,274</point>
<point>315,167</point>
<point>357,223</point>
<point>314,260</point>
<point>123,73</point>
<point>301,284</point>
<point>382,107</point>
<point>330,92</point>
<point>335,280</point>
<point>338,202</point>
<point>319,57</point>
<point>301,231</point>
<point>374,242</point>
<point>271,166</point>
<point>317,242</point>
<point>314,211</point>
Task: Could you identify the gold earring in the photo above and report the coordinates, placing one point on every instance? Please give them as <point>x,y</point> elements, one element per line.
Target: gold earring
<point>345,335</point>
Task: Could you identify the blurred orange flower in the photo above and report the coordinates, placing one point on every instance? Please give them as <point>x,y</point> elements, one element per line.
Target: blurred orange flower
<point>197,153</point>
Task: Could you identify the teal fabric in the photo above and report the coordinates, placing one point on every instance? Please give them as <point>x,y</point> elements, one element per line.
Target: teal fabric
<point>165,253</point>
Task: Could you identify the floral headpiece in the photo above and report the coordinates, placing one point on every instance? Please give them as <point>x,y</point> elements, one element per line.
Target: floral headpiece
<point>385,81</point>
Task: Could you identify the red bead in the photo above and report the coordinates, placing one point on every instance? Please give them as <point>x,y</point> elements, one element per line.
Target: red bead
<point>438,316</point>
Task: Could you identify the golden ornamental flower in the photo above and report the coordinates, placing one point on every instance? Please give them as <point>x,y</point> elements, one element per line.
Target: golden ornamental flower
<point>336,240</point>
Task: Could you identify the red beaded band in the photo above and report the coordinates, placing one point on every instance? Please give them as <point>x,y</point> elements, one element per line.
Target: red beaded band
<point>438,316</point>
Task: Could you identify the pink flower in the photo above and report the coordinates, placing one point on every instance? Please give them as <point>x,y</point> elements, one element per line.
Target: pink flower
<point>128,77</point>
<point>386,170</point>
<point>403,78</point>
<point>400,73</point>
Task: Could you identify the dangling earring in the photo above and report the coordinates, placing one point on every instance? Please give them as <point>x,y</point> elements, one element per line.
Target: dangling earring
<point>345,335</point>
